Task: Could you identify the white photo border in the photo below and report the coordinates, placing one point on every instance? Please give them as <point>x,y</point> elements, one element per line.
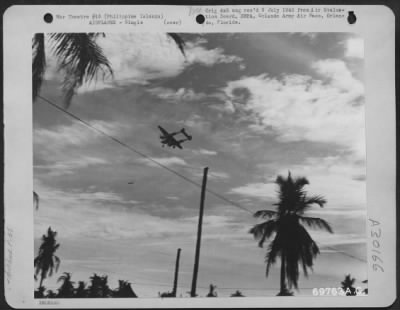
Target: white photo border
<point>375,24</point>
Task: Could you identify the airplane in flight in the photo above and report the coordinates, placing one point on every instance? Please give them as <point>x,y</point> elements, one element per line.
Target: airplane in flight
<point>169,138</point>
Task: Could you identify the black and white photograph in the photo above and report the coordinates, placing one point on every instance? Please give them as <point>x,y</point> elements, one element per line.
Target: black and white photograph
<point>199,165</point>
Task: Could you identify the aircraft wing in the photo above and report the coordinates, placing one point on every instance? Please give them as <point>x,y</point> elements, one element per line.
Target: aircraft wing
<point>179,145</point>
<point>164,132</point>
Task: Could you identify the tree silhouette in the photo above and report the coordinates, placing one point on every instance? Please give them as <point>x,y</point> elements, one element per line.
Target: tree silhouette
<point>237,294</point>
<point>67,287</point>
<point>99,287</point>
<point>35,200</point>
<point>347,285</point>
<point>39,293</point>
<point>79,58</point>
<point>166,294</point>
<point>81,291</point>
<point>212,292</point>
<point>291,242</point>
<point>365,291</point>
<point>46,262</point>
<point>51,294</point>
<point>124,290</point>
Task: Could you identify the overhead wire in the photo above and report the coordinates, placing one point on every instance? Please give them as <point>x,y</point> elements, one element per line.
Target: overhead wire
<point>87,124</point>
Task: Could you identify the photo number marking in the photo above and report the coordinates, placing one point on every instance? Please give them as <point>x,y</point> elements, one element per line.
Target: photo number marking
<point>376,234</point>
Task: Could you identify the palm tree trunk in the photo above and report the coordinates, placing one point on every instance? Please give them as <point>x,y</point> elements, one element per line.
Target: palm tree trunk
<point>283,273</point>
<point>41,282</point>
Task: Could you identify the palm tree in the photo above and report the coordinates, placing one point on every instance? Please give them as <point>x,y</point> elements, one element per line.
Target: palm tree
<point>51,294</point>
<point>124,290</point>
<point>212,292</point>
<point>67,287</point>
<point>39,293</point>
<point>79,58</point>
<point>99,287</point>
<point>81,291</point>
<point>291,241</point>
<point>237,294</point>
<point>46,262</point>
<point>347,285</point>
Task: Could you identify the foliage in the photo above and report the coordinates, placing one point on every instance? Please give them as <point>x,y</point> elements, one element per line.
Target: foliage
<point>67,288</point>
<point>46,261</point>
<point>36,200</point>
<point>79,58</point>
<point>347,285</point>
<point>166,294</point>
<point>291,241</point>
<point>212,292</point>
<point>98,289</point>
<point>237,294</point>
<point>124,290</point>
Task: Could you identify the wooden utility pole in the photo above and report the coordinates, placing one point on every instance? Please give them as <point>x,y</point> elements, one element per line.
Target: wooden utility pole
<point>178,255</point>
<point>197,254</point>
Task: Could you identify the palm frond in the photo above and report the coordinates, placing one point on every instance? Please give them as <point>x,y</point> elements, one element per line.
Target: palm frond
<point>81,60</point>
<point>317,199</point>
<point>36,200</point>
<point>300,182</point>
<point>273,252</point>
<point>263,231</point>
<point>316,222</point>
<point>179,41</point>
<point>38,63</point>
<point>57,260</point>
<point>265,213</point>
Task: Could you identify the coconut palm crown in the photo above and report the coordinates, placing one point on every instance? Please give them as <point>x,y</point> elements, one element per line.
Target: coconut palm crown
<point>291,242</point>
<point>46,262</point>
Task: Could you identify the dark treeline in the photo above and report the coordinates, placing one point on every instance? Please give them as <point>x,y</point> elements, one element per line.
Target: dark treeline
<point>284,228</point>
<point>97,288</point>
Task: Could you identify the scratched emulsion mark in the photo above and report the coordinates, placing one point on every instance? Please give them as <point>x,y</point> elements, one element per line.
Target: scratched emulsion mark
<point>9,240</point>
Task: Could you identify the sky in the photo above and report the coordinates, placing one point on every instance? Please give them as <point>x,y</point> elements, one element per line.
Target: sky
<point>257,105</point>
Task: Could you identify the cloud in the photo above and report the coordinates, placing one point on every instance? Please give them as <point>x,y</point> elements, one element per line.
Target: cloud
<point>197,53</point>
<point>99,217</point>
<point>62,167</point>
<point>310,35</point>
<point>137,58</point>
<point>256,190</point>
<point>172,198</point>
<point>331,177</point>
<point>196,122</point>
<point>299,107</point>
<point>354,48</point>
<point>166,161</point>
<point>214,175</point>
<point>182,94</point>
<point>75,134</point>
<point>205,152</point>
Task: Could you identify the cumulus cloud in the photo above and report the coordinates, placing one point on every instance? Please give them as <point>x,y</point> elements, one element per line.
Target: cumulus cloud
<point>354,48</point>
<point>198,53</point>
<point>257,190</point>
<point>137,58</point>
<point>182,94</point>
<point>331,177</point>
<point>299,107</point>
